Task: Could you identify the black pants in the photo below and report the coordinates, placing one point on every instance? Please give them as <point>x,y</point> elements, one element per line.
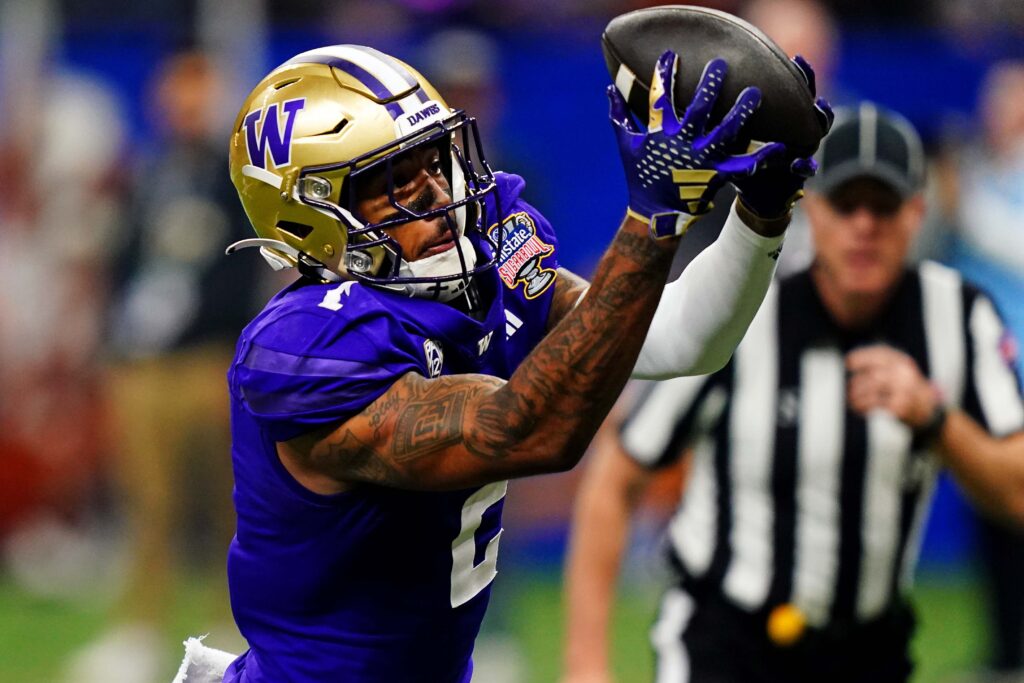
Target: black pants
<point>721,643</point>
<point>1003,551</point>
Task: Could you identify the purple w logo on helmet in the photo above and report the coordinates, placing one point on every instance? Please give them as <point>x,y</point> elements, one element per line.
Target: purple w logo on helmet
<point>270,134</point>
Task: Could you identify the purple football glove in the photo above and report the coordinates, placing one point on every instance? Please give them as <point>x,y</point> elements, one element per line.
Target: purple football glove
<point>674,169</point>
<point>772,191</point>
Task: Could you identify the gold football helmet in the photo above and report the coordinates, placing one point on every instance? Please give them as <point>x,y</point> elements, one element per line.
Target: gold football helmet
<point>314,127</point>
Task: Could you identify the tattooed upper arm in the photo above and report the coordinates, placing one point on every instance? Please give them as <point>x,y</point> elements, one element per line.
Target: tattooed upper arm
<point>413,436</point>
<point>459,431</point>
<point>569,287</point>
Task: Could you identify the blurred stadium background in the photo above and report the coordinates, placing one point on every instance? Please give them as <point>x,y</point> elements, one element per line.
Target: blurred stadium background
<point>87,117</point>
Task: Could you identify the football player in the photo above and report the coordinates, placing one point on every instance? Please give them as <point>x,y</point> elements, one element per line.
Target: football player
<point>432,348</point>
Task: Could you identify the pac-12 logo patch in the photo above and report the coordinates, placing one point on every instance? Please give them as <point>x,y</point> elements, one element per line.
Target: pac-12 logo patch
<point>522,255</point>
<point>435,358</point>
<point>272,136</point>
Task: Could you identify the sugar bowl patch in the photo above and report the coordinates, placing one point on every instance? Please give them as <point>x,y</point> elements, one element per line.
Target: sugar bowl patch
<point>521,260</point>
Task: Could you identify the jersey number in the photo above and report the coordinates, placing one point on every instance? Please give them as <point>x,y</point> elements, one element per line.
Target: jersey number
<point>468,579</point>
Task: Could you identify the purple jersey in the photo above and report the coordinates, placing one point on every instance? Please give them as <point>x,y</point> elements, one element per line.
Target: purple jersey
<point>375,584</point>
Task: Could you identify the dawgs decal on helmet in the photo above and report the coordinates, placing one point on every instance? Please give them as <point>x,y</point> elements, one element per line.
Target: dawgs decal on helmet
<point>522,255</point>
<point>270,135</point>
<point>429,114</point>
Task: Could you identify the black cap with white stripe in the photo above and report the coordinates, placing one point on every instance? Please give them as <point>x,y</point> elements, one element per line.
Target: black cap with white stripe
<point>869,141</point>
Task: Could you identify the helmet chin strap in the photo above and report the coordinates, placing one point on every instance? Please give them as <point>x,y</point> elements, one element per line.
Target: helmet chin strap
<point>445,264</point>
<point>281,256</point>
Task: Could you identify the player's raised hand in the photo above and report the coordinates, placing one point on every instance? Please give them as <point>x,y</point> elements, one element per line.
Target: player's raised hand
<point>821,105</point>
<point>675,167</point>
<point>775,188</point>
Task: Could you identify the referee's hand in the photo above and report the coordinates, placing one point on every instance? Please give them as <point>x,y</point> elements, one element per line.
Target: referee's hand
<point>882,377</point>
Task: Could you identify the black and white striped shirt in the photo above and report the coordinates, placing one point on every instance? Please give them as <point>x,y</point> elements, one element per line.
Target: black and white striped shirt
<point>793,497</point>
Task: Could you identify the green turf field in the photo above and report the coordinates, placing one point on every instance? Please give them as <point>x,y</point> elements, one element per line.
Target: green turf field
<point>950,639</point>
<point>36,635</point>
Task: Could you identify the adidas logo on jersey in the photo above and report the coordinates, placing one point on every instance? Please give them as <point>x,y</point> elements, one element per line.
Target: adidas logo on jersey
<point>512,323</point>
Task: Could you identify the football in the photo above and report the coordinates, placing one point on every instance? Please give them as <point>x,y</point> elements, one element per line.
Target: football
<point>632,43</point>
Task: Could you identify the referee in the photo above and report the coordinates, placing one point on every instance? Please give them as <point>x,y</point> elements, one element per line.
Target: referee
<point>815,450</point>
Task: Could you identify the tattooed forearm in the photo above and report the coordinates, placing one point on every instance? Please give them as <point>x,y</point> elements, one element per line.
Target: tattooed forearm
<point>638,247</point>
<point>569,287</point>
<point>464,430</point>
<point>573,377</point>
<point>628,286</point>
